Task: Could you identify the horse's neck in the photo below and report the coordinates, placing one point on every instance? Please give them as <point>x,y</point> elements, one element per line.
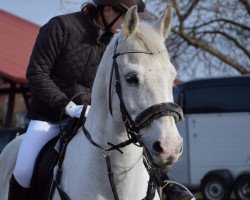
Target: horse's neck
<point>104,129</point>
<point>129,172</point>
<point>90,173</point>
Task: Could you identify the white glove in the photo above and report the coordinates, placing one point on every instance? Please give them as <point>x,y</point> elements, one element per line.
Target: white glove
<point>87,111</point>
<point>73,110</point>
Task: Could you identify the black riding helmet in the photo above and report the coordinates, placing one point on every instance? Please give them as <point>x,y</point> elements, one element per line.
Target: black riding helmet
<point>124,5</point>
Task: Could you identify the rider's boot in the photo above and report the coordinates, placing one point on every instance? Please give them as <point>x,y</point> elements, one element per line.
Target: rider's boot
<point>17,192</point>
<point>174,191</point>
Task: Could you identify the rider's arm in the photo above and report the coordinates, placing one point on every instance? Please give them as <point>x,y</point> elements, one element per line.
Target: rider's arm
<point>47,48</point>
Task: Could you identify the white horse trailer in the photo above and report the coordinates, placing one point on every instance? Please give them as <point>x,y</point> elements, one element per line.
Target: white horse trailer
<point>216,133</point>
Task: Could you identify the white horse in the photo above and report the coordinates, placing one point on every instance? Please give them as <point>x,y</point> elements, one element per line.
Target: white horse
<point>146,80</point>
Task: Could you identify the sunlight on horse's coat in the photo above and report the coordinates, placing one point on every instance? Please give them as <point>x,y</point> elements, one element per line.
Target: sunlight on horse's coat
<point>84,169</point>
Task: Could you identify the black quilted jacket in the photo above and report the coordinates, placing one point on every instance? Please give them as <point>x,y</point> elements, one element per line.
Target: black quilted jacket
<point>64,60</point>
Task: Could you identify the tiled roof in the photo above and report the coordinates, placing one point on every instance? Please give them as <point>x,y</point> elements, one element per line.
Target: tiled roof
<point>17,37</point>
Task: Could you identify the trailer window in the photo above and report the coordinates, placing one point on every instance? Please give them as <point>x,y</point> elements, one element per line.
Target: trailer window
<point>218,99</point>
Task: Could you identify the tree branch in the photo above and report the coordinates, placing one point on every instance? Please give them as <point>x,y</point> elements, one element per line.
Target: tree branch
<point>229,37</point>
<point>190,9</point>
<point>221,20</point>
<point>178,12</point>
<point>235,23</point>
<point>176,6</point>
<point>246,5</point>
<point>215,52</point>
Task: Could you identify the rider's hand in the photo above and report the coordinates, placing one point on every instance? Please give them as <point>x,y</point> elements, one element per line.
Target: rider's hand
<point>73,110</point>
<point>87,111</point>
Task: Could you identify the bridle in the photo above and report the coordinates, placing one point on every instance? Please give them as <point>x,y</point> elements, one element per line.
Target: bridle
<point>133,127</point>
<point>147,116</point>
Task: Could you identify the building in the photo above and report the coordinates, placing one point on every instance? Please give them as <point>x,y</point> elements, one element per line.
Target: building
<point>17,37</point>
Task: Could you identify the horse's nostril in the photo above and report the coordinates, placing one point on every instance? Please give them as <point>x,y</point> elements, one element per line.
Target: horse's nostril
<point>171,159</point>
<point>181,148</point>
<point>157,147</point>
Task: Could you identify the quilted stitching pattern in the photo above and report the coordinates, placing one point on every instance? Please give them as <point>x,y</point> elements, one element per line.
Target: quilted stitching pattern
<point>66,54</point>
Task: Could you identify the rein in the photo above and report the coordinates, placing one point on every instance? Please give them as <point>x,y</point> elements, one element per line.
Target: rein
<point>133,127</point>
<point>144,119</point>
<point>65,136</point>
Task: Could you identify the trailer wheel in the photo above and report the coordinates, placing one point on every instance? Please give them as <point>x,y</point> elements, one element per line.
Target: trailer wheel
<point>242,187</point>
<point>216,185</point>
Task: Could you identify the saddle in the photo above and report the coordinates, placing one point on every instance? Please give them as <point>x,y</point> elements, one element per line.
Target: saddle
<point>45,178</point>
<point>51,156</point>
<point>43,170</point>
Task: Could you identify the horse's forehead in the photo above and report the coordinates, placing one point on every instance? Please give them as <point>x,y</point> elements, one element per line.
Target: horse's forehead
<point>150,66</point>
<point>145,36</point>
<point>146,40</point>
<point>159,57</point>
<point>130,45</point>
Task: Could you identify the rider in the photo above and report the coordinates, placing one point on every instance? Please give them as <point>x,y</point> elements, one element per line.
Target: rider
<point>63,62</point>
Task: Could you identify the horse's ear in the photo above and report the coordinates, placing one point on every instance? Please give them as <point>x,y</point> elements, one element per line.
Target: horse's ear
<point>130,23</point>
<point>164,23</point>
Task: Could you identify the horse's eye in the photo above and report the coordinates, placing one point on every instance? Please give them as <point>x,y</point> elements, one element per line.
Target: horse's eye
<point>132,79</point>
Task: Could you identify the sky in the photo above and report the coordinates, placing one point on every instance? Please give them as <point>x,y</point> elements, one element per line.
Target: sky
<point>39,11</point>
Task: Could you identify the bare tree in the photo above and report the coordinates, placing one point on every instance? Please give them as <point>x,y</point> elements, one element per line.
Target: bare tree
<point>209,37</point>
